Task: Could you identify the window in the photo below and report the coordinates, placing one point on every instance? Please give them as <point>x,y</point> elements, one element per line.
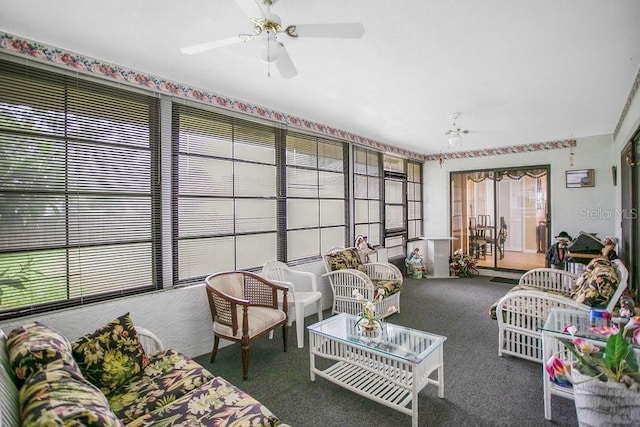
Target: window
<point>414,200</point>
<point>367,183</point>
<point>77,182</point>
<point>226,196</point>
<point>316,208</point>
<point>395,206</point>
<point>86,214</point>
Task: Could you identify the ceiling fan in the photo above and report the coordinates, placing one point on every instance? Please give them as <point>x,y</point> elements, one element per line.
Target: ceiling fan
<point>455,133</point>
<point>266,28</point>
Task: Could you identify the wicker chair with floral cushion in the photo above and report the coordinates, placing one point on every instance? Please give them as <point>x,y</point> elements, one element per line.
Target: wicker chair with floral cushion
<point>244,307</point>
<point>347,273</point>
<point>523,310</point>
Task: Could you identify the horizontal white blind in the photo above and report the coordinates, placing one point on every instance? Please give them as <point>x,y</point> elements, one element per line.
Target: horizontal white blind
<point>316,207</point>
<point>226,207</point>
<point>367,194</point>
<point>414,200</point>
<point>78,200</point>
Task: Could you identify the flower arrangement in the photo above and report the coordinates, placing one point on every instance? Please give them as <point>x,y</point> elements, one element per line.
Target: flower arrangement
<point>369,318</point>
<point>616,363</point>
<point>462,265</point>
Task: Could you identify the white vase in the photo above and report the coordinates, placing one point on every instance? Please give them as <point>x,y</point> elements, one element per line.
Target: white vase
<point>604,403</point>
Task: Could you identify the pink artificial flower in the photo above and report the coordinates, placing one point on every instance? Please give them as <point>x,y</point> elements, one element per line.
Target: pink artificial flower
<point>634,322</point>
<point>604,331</point>
<point>584,346</point>
<point>571,329</point>
<point>636,336</point>
<point>559,373</point>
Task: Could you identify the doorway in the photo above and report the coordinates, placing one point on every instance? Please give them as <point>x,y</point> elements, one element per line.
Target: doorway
<point>628,248</point>
<point>500,216</point>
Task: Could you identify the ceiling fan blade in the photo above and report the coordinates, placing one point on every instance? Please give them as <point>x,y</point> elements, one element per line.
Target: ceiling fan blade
<point>353,30</point>
<point>251,8</point>
<point>285,65</point>
<point>202,47</point>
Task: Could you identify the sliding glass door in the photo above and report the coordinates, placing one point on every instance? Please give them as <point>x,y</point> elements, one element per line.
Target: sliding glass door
<point>500,216</point>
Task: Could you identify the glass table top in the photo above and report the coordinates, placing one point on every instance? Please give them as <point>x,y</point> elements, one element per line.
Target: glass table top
<point>395,340</point>
<point>559,318</point>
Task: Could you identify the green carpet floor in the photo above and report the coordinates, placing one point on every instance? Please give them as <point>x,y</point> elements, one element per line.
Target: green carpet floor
<point>481,389</point>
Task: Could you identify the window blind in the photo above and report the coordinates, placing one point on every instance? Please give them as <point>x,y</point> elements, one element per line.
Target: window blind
<point>395,205</point>
<point>225,201</point>
<point>78,174</point>
<point>414,200</point>
<point>367,194</point>
<point>316,208</point>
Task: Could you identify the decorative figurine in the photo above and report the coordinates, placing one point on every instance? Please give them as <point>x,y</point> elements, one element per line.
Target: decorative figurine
<point>414,263</point>
<point>626,310</point>
<point>364,248</point>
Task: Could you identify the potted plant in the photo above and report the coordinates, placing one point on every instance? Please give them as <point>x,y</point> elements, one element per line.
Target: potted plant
<point>605,381</point>
<point>462,265</point>
<point>369,319</point>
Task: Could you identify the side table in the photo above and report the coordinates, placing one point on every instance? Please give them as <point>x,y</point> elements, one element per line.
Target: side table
<point>438,255</point>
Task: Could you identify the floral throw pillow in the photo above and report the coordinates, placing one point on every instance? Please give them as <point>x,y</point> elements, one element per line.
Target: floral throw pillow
<point>33,347</point>
<point>597,284</point>
<point>346,258</point>
<point>60,397</point>
<point>111,355</point>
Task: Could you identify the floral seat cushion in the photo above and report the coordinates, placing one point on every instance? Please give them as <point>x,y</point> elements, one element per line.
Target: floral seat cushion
<point>216,403</point>
<point>168,376</point>
<point>390,286</point>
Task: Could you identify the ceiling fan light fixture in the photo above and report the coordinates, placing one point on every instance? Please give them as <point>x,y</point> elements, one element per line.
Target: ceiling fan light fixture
<point>454,139</point>
<point>271,49</point>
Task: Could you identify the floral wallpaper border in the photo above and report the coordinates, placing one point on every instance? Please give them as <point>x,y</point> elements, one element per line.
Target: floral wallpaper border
<point>627,105</point>
<point>44,53</point>
<point>511,149</point>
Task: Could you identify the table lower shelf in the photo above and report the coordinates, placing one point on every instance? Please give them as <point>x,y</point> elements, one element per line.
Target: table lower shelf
<point>369,384</point>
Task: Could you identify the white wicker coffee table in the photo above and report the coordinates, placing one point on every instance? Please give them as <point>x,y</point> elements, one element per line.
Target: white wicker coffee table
<point>390,366</point>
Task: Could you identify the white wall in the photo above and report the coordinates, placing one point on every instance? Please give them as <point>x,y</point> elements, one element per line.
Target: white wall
<point>591,209</point>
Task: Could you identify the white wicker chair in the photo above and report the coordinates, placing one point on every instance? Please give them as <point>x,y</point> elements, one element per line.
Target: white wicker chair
<point>521,313</point>
<point>150,342</point>
<point>344,281</point>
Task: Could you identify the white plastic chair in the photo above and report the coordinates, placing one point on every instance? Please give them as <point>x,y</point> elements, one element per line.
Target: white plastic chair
<point>303,291</point>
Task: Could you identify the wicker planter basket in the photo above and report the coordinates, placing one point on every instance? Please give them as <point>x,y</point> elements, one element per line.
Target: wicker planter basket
<point>604,404</point>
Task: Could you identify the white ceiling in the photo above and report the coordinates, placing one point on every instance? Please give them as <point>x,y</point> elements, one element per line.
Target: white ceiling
<point>519,71</point>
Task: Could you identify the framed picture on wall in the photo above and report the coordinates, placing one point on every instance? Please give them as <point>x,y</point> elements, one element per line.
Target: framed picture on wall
<point>580,178</point>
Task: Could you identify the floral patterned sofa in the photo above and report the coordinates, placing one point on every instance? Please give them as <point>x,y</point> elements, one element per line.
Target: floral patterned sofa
<point>106,378</point>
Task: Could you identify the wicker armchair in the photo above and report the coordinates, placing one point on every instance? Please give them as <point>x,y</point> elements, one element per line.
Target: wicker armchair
<point>346,272</point>
<point>523,310</point>
<point>244,307</point>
